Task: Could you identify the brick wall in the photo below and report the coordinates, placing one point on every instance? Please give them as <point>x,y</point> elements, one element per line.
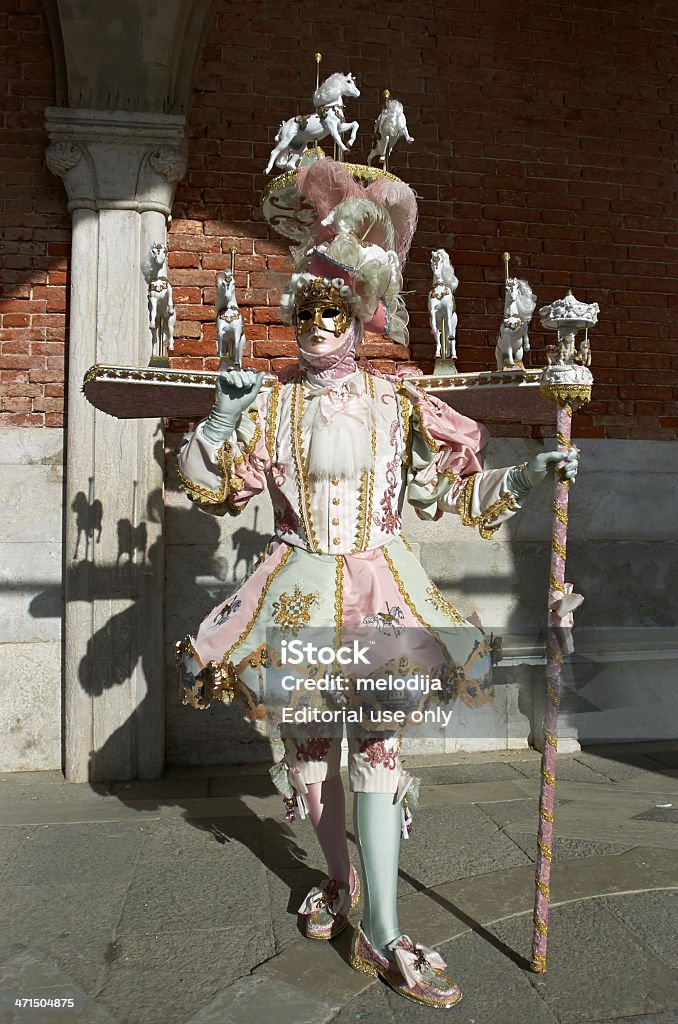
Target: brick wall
<point>547,130</point>
<point>34,227</point>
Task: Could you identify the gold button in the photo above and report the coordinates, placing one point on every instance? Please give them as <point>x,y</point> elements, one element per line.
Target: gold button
<point>335,481</point>
<point>335,522</point>
<point>336,501</point>
<point>336,541</point>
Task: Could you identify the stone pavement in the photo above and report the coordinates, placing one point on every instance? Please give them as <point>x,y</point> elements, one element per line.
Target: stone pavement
<point>173,902</point>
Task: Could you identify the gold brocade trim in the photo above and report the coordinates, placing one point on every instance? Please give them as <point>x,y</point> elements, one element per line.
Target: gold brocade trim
<point>406,413</point>
<point>543,887</point>
<point>538,964</point>
<point>262,597</point>
<point>540,926</point>
<point>549,776</point>
<point>251,445</point>
<point>553,696</point>
<point>560,513</point>
<point>555,654</point>
<point>544,849</point>
<point>406,542</point>
<point>361,526</point>
<point>484,520</point>
<point>369,380</point>
<point>545,813</point>
<point>408,601</point>
<point>198,493</point>
<point>441,604</point>
<point>433,445</point>
<point>360,171</point>
<point>567,394</point>
<point>550,738</point>
<point>300,466</point>
<point>555,585</point>
<point>559,548</point>
<point>338,601</point>
<point>271,424</point>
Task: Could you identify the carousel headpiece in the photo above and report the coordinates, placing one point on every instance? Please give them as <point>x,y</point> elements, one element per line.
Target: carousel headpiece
<point>358,239</point>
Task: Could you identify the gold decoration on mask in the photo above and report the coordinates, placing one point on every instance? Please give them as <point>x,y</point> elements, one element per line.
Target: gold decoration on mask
<point>319,302</point>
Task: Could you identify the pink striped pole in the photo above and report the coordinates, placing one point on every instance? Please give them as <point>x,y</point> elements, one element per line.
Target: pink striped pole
<point>568,397</point>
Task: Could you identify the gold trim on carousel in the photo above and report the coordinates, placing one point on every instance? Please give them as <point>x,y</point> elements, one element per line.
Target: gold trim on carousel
<point>360,171</point>
<point>566,394</point>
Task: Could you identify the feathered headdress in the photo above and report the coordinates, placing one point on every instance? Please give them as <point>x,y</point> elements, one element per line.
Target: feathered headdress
<point>359,242</point>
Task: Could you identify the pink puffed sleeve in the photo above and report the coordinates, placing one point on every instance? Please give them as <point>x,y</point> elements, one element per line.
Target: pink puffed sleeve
<point>445,472</point>
<point>222,477</point>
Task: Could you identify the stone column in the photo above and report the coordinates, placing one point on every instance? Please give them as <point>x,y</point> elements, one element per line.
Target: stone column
<point>120,171</point>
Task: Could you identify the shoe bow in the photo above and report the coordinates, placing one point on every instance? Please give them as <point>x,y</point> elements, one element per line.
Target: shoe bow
<point>413,960</point>
<point>327,897</point>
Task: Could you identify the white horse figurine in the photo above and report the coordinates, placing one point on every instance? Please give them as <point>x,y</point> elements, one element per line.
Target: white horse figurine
<point>161,313</point>
<point>441,309</point>
<point>295,134</point>
<point>230,330</point>
<point>389,127</point>
<point>513,340</point>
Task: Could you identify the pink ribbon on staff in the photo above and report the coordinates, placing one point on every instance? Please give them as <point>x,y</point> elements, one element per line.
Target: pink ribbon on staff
<point>412,960</point>
<point>343,398</point>
<point>562,606</point>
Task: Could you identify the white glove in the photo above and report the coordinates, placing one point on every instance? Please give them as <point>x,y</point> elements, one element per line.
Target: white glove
<point>235,390</point>
<point>522,479</point>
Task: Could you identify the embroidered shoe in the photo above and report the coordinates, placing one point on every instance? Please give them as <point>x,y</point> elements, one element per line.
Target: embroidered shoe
<point>416,971</point>
<point>327,906</point>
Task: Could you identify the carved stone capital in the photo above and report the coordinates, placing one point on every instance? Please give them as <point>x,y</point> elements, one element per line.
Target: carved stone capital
<point>117,160</point>
<point>169,162</point>
<point>62,157</point>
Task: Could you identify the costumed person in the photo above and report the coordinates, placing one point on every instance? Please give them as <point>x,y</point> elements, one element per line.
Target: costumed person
<point>341,449</point>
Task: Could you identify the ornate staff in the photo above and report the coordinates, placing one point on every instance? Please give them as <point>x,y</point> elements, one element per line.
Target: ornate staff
<point>566,381</point>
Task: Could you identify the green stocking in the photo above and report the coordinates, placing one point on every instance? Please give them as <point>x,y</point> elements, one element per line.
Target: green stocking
<point>377,821</point>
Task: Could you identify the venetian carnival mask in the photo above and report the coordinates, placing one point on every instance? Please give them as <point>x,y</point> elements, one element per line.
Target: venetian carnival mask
<point>320,304</point>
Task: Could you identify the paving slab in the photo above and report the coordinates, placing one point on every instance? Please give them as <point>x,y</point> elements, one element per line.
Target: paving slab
<point>183,876</point>
<point>77,853</point>
<point>255,999</point>
<point>70,924</point>
<point>455,842</point>
<point>568,769</point>
<point>569,849</point>
<point>164,977</point>
<point>653,917</point>
<point>31,975</point>
<point>596,967</point>
<point>453,774</point>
